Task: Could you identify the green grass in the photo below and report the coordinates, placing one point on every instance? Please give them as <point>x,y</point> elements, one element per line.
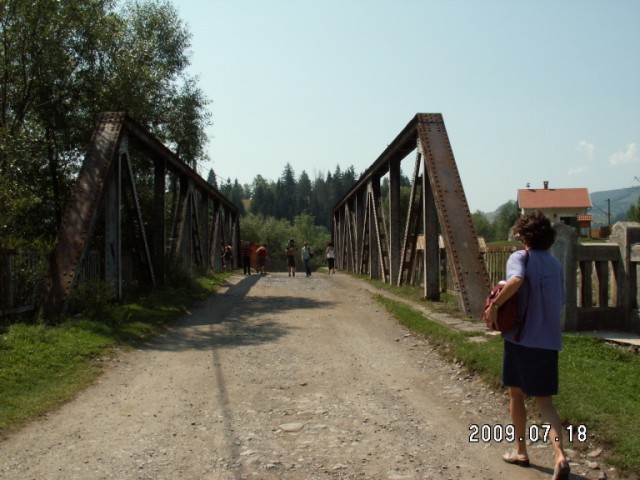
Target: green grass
<point>447,304</point>
<point>600,388</point>
<point>42,367</point>
<point>599,382</point>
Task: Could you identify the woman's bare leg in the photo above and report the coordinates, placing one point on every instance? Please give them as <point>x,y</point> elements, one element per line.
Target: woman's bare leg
<point>519,419</point>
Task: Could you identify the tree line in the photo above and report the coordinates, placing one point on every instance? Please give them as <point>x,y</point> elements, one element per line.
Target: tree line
<point>292,198</point>
<point>64,62</point>
<point>290,195</point>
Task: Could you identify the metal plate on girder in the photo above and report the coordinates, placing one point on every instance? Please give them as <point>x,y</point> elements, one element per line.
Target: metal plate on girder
<point>453,213</point>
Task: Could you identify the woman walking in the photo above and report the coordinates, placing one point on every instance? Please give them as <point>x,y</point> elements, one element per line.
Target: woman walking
<point>290,252</point>
<point>306,258</point>
<point>330,254</point>
<point>530,361</point>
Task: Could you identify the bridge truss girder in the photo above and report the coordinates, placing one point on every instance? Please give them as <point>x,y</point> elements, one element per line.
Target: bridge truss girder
<point>370,244</point>
<point>192,232</point>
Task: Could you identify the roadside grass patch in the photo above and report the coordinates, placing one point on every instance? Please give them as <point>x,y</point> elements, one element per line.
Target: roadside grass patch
<point>600,389</point>
<point>599,382</point>
<point>447,304</point>
<point>41,366</point>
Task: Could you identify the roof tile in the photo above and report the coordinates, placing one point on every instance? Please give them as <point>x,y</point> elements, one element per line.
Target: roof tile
<point>554,198</point>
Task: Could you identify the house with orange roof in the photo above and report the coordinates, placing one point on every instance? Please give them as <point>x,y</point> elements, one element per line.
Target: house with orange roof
<point>566,205</point>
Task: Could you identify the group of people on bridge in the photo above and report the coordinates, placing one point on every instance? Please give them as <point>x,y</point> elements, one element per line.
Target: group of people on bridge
<point>307,255</point>
<point>246,252</point>
<point>262,257</point>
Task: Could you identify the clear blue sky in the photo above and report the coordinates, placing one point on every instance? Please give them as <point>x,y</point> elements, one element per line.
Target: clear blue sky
<point>529,90</point>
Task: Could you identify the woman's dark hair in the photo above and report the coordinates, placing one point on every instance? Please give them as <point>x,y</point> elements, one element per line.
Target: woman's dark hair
<point>535,230</point>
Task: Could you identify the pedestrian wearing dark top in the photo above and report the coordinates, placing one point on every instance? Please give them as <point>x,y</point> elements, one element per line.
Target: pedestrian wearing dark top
<point>530,365</point>
<point>246,258</point>
<point>330,253</point>
<point>306,258</point>
<point>227,259</point>
<point>290,252</point>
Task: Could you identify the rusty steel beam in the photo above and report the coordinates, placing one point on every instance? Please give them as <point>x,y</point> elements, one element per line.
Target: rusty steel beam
<point>438,198</point>
<point>81,213</point>
<point>460,239</point>
<point>105,168</point>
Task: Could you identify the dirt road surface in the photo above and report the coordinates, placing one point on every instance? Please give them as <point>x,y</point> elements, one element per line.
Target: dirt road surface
<point>276,378</point>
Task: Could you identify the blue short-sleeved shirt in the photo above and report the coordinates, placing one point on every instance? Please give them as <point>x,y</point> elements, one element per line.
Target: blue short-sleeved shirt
<point>543,292</point>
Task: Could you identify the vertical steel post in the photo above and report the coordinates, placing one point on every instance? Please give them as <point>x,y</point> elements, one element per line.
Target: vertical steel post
<point>395,235</point>
<point>159,241</point>
<point>113,227</point>
<point>431,257</point>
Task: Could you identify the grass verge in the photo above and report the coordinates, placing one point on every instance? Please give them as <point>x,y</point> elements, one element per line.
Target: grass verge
<point>599,382</point>
<point>41,367</point>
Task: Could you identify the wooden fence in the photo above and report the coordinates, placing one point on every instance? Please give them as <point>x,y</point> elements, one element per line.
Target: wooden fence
<point>21,280</point>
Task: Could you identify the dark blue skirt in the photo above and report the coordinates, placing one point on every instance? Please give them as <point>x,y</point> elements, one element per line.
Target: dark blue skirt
<point>534,370</point>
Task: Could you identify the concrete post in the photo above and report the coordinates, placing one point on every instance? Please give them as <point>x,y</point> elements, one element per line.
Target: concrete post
<point>626,234</point>
<point>565,250</point>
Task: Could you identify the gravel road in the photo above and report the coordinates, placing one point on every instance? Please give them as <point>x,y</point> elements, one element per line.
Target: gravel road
<point>276,378</point>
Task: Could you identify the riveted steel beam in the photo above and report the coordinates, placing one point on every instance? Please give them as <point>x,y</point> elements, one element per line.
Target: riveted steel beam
<point>440,202</point>
<point>99,191</point>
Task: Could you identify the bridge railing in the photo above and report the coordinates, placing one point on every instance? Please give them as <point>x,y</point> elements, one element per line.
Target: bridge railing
<point>22,274</point>
<point>600,278</point>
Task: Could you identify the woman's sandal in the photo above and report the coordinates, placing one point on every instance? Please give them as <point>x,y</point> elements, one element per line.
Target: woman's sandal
<point>514,459</point>
<point>562,471</point>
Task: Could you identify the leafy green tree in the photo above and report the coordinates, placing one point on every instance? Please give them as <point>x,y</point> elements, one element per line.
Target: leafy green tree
<point>236,195</point>
<point>349,178</point>
<point>633,214</point>
<point>186,121</point>
<point>303,193</point>
<point>286,194</point>
<point>484,228</point>
<point>306,230</point>
<point>336,185</point>
<point>268,230</point>
<point>322,202</point>
<point>64,62</point>
<point>211,178</point>
<point>263,197</point>
<point>47,64</point>
<point>505,219</point>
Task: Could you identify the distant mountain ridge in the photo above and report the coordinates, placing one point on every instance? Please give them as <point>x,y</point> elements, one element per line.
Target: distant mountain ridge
<point>608,203</point>
<point>616,201</point>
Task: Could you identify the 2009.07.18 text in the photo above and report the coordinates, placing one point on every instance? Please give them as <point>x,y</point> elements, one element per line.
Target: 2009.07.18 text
<point>507,433</point>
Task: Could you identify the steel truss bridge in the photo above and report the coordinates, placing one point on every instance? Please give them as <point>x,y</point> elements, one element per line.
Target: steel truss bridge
<point>143,207</point>
<point>402,246</point>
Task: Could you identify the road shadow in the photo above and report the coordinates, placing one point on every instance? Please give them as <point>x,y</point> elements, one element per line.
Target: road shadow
<point>230,320</point>
<point>233,319</point>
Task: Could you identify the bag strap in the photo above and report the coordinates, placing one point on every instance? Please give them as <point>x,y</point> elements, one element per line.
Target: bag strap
<point>524,317</point>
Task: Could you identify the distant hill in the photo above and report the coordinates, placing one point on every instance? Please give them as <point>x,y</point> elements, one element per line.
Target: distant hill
<point>617,202</point>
